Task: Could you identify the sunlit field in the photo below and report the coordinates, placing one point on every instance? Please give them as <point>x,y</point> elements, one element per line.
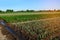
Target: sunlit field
<point>33,25</point>
<point>28,16</point>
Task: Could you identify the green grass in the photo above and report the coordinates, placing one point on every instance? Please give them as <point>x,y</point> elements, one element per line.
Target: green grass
<point>22,18</point>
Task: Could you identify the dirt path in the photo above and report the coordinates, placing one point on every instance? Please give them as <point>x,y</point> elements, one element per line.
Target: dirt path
<point>2,37</point>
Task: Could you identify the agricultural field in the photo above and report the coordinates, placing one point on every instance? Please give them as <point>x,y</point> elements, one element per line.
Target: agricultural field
<point>33,26</point>
<point>25,16</point>
<point>41,30</point>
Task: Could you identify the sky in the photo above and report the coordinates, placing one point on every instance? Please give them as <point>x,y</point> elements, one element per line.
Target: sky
<point>29,4</point>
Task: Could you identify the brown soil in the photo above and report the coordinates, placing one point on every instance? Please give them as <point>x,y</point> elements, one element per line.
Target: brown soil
<point>2,37</point>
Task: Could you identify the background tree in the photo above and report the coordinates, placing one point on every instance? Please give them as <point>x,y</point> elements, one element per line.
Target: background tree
<point>29,10</point>
<point>1,11</point>
<point>8,10</point>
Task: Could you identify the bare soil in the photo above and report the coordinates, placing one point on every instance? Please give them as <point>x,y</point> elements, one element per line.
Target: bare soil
<point>2,37</point>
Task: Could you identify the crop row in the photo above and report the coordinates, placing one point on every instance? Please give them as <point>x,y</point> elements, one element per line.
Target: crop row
<point>39,30</point>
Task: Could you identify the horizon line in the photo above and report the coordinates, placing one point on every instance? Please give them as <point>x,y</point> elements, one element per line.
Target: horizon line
<point>28,9</point>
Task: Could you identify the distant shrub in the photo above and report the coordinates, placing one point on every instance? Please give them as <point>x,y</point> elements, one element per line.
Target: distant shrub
<point>1,11</point>
<point>8,10</point>
<point>29,10</point>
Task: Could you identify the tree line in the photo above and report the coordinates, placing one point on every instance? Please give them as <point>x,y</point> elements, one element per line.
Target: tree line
<point>8,10</point>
